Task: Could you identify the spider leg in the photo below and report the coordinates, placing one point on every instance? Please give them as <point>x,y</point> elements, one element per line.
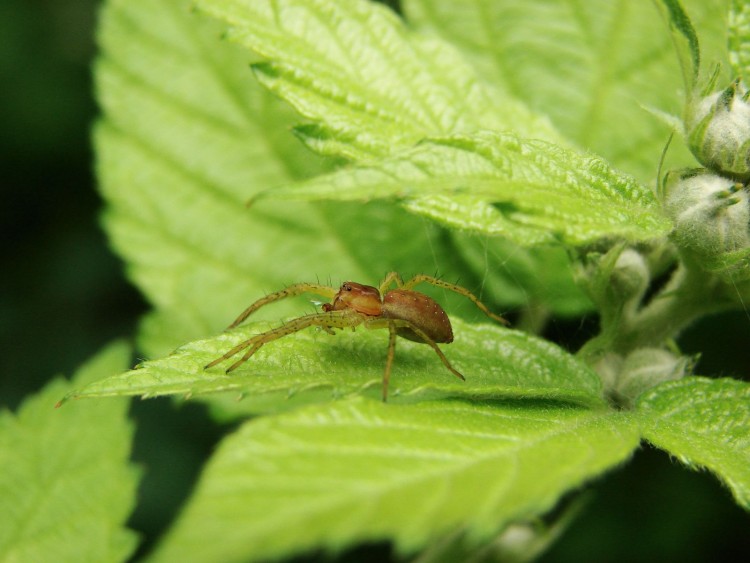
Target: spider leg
<point>393,324</point>
<point>246,356</point>
<point>422,278</point>
<point>392,277</point>
<point>241,346</point>
<point>328,320</point>
<point>296,289</point>
<point>389,359</point>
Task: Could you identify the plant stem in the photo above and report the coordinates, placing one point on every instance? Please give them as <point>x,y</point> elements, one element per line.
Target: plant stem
<point>690,294</point>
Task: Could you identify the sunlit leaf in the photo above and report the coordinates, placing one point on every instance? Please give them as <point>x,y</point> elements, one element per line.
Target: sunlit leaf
<point>369,83</point>
<point>592,67</point>
<point>187,136</point>
<point>327,476</point>
<point>527,190</point>
<point>313,366</point>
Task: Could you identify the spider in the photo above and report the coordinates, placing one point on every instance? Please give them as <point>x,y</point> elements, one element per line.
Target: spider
<point>403,311</point>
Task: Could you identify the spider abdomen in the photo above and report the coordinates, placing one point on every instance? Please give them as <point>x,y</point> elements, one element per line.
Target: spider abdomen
<point>421,311</point>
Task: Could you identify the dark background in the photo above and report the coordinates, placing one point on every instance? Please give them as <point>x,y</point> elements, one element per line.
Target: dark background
<point>63,295</point>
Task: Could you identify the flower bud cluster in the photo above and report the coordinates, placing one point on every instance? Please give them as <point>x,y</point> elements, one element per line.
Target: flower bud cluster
<point>710,206</point>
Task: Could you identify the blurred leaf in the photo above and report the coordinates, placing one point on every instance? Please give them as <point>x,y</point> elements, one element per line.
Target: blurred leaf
<point>370,85</point>
<point>590,66</point>
<point>537,279</point>
<point>704,423</point>
<point>331,475</point>
<point>542,192</point>
<point>310,366</point>
<point>66,487</point>
<point>739,38</point>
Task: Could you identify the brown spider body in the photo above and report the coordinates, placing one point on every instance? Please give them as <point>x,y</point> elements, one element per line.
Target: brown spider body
<point>403,311</point>
<point>414,307</point>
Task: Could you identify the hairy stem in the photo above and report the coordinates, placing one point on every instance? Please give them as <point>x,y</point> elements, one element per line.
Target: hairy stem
<point>690,294</point>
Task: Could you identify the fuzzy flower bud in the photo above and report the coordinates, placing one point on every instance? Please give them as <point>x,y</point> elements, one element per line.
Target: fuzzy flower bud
<point>630,276</point>
<point>645,368</point>
<point>626,377</point>
<point>718,131</point>
<point>710,212</point>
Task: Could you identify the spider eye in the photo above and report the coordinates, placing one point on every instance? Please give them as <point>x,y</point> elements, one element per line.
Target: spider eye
<point>347,287</point>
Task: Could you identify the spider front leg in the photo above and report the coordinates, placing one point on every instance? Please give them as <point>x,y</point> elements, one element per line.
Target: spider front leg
<point>393,326</point>
<point>422,278</point>
<point>391,277</point>
<point>296,289</point>
<point>327,320</point>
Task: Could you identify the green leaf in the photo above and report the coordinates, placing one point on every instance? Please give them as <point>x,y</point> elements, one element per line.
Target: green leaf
<point>541,192</point>
<point>686,41</point>
<point>370,85</point>
<point>704,423</point>
<point>187,136</point>
<point>66,487</point>
<point>739,38</point>
<point>313,366</point>
<point>590,66</point>
<point>331,475</point>
<point>182,145</point>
